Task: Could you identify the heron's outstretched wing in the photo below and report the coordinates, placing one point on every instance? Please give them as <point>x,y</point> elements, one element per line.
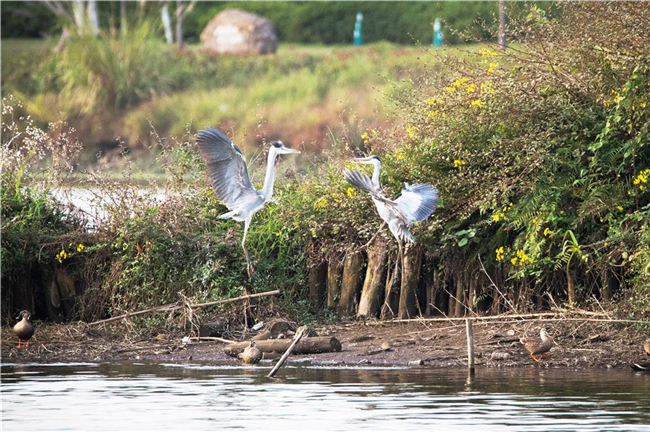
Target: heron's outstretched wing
<point>364,183</point>
<point>418,201</point>
<point>226,168</point>
<point>361,181</point>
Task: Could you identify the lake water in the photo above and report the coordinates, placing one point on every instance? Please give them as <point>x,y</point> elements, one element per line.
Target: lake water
<point>137,396</point>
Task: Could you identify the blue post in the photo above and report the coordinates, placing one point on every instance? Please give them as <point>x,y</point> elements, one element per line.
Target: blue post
<point>437,33</point>
<point>357,30</point>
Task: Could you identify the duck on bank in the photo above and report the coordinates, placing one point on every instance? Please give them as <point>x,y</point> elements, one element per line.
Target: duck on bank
<point>24,329</point>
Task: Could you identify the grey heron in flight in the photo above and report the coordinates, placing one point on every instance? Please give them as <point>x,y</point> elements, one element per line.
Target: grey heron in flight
<point>417,202</point>
<point>229,177</point>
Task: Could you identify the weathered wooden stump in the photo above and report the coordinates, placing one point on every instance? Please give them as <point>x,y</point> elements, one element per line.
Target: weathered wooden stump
<point>333,285</point>
<point>411,263</point>
<point>351,282</point>
<point>317,285</point>
<point>372,292</point>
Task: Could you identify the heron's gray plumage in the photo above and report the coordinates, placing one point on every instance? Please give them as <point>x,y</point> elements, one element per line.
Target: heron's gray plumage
<point>417,202</point>
<point>230,180</point>
<point>226,169</point>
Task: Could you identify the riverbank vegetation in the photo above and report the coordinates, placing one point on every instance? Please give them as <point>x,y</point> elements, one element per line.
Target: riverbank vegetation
<point>540,153</point>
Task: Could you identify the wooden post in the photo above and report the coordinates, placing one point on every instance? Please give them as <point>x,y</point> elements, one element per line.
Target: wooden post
<point>333,282</point>
<point>372,292</point>
<point>301,331</point>
<point>351,282</point>
<point>470,345</point>
<point>317,285</point>
<point>410,276</point>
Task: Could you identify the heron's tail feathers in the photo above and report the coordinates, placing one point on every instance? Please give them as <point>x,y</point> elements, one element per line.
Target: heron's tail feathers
<point>405,235</point>
<point>228,215</point>
<point>360,180</point>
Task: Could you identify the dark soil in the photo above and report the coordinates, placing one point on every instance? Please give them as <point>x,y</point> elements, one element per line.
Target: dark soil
<point>579,344</point>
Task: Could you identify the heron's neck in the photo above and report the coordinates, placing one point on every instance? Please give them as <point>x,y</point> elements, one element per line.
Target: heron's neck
<point>375,173</point>
<point>267,189</point>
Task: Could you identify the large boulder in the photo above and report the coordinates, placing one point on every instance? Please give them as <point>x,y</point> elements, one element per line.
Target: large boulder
<point>236,31</point>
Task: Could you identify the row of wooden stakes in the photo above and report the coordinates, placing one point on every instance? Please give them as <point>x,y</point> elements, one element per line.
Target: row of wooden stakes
<point>385,292</point>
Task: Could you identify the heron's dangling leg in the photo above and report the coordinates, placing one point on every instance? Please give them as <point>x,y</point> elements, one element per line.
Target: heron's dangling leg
<point>249,265</point>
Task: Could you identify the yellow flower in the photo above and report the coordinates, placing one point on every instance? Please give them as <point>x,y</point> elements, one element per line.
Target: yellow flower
<point>412,130</point>
<point>350,191</point>
<point>619,208</point>
<point>492,67</point>
<point>320,203</point>
<point>471,88</point>
<point>80,247</point>
<point>513,260</point>
<point>458,163</point>
<point>547,232</point>
<point>495,217</point>
<point>606,243</point>
<point>499,253</point>
<point>485,52</point>
<point>477,102</point>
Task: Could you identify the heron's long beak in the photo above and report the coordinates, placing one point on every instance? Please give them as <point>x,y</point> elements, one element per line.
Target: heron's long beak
<point>364,160</point>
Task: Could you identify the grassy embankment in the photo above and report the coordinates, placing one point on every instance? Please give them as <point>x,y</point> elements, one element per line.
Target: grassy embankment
<point>543,180</point>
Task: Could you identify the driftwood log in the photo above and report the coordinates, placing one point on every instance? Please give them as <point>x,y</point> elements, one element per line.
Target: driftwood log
<point>372,293</point>
<point>310,345</point>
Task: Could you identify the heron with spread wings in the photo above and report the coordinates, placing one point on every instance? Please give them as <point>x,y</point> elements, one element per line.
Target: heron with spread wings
<point>417,202</point>
<point>231,182</point>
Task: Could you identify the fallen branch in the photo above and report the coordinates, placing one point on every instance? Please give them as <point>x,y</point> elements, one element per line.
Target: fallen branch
<point>211,338</point>
<point>301,331</point>
<point>171,307</point>
<point>521,317</point>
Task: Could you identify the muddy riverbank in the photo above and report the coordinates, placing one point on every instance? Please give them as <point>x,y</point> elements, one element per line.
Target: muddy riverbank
<point>578,344</point>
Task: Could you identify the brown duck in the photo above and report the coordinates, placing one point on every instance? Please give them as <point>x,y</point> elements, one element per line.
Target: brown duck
<point>24,329</point>
<point>538,346</point>
<point>643,367</point>
<point>251,354</point>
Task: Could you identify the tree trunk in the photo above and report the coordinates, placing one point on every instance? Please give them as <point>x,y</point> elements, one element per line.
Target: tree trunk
<point>180,17</point>
<point>307,345</point>
<point>167,24</point>
<point>93,20</point>
<point>502,24</point>
<point>372,292</point>
<point>351,282</point>
<point>334,269</point>
<point>123,24</point>
<point>317,285</point>
<point>410,276</point>
<point>391,292</point>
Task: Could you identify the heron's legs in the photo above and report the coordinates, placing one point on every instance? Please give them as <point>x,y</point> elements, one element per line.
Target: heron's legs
<point>249,265</point>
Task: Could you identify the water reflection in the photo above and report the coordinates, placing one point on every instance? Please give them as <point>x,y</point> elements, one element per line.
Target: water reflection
<point>137,396</point>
